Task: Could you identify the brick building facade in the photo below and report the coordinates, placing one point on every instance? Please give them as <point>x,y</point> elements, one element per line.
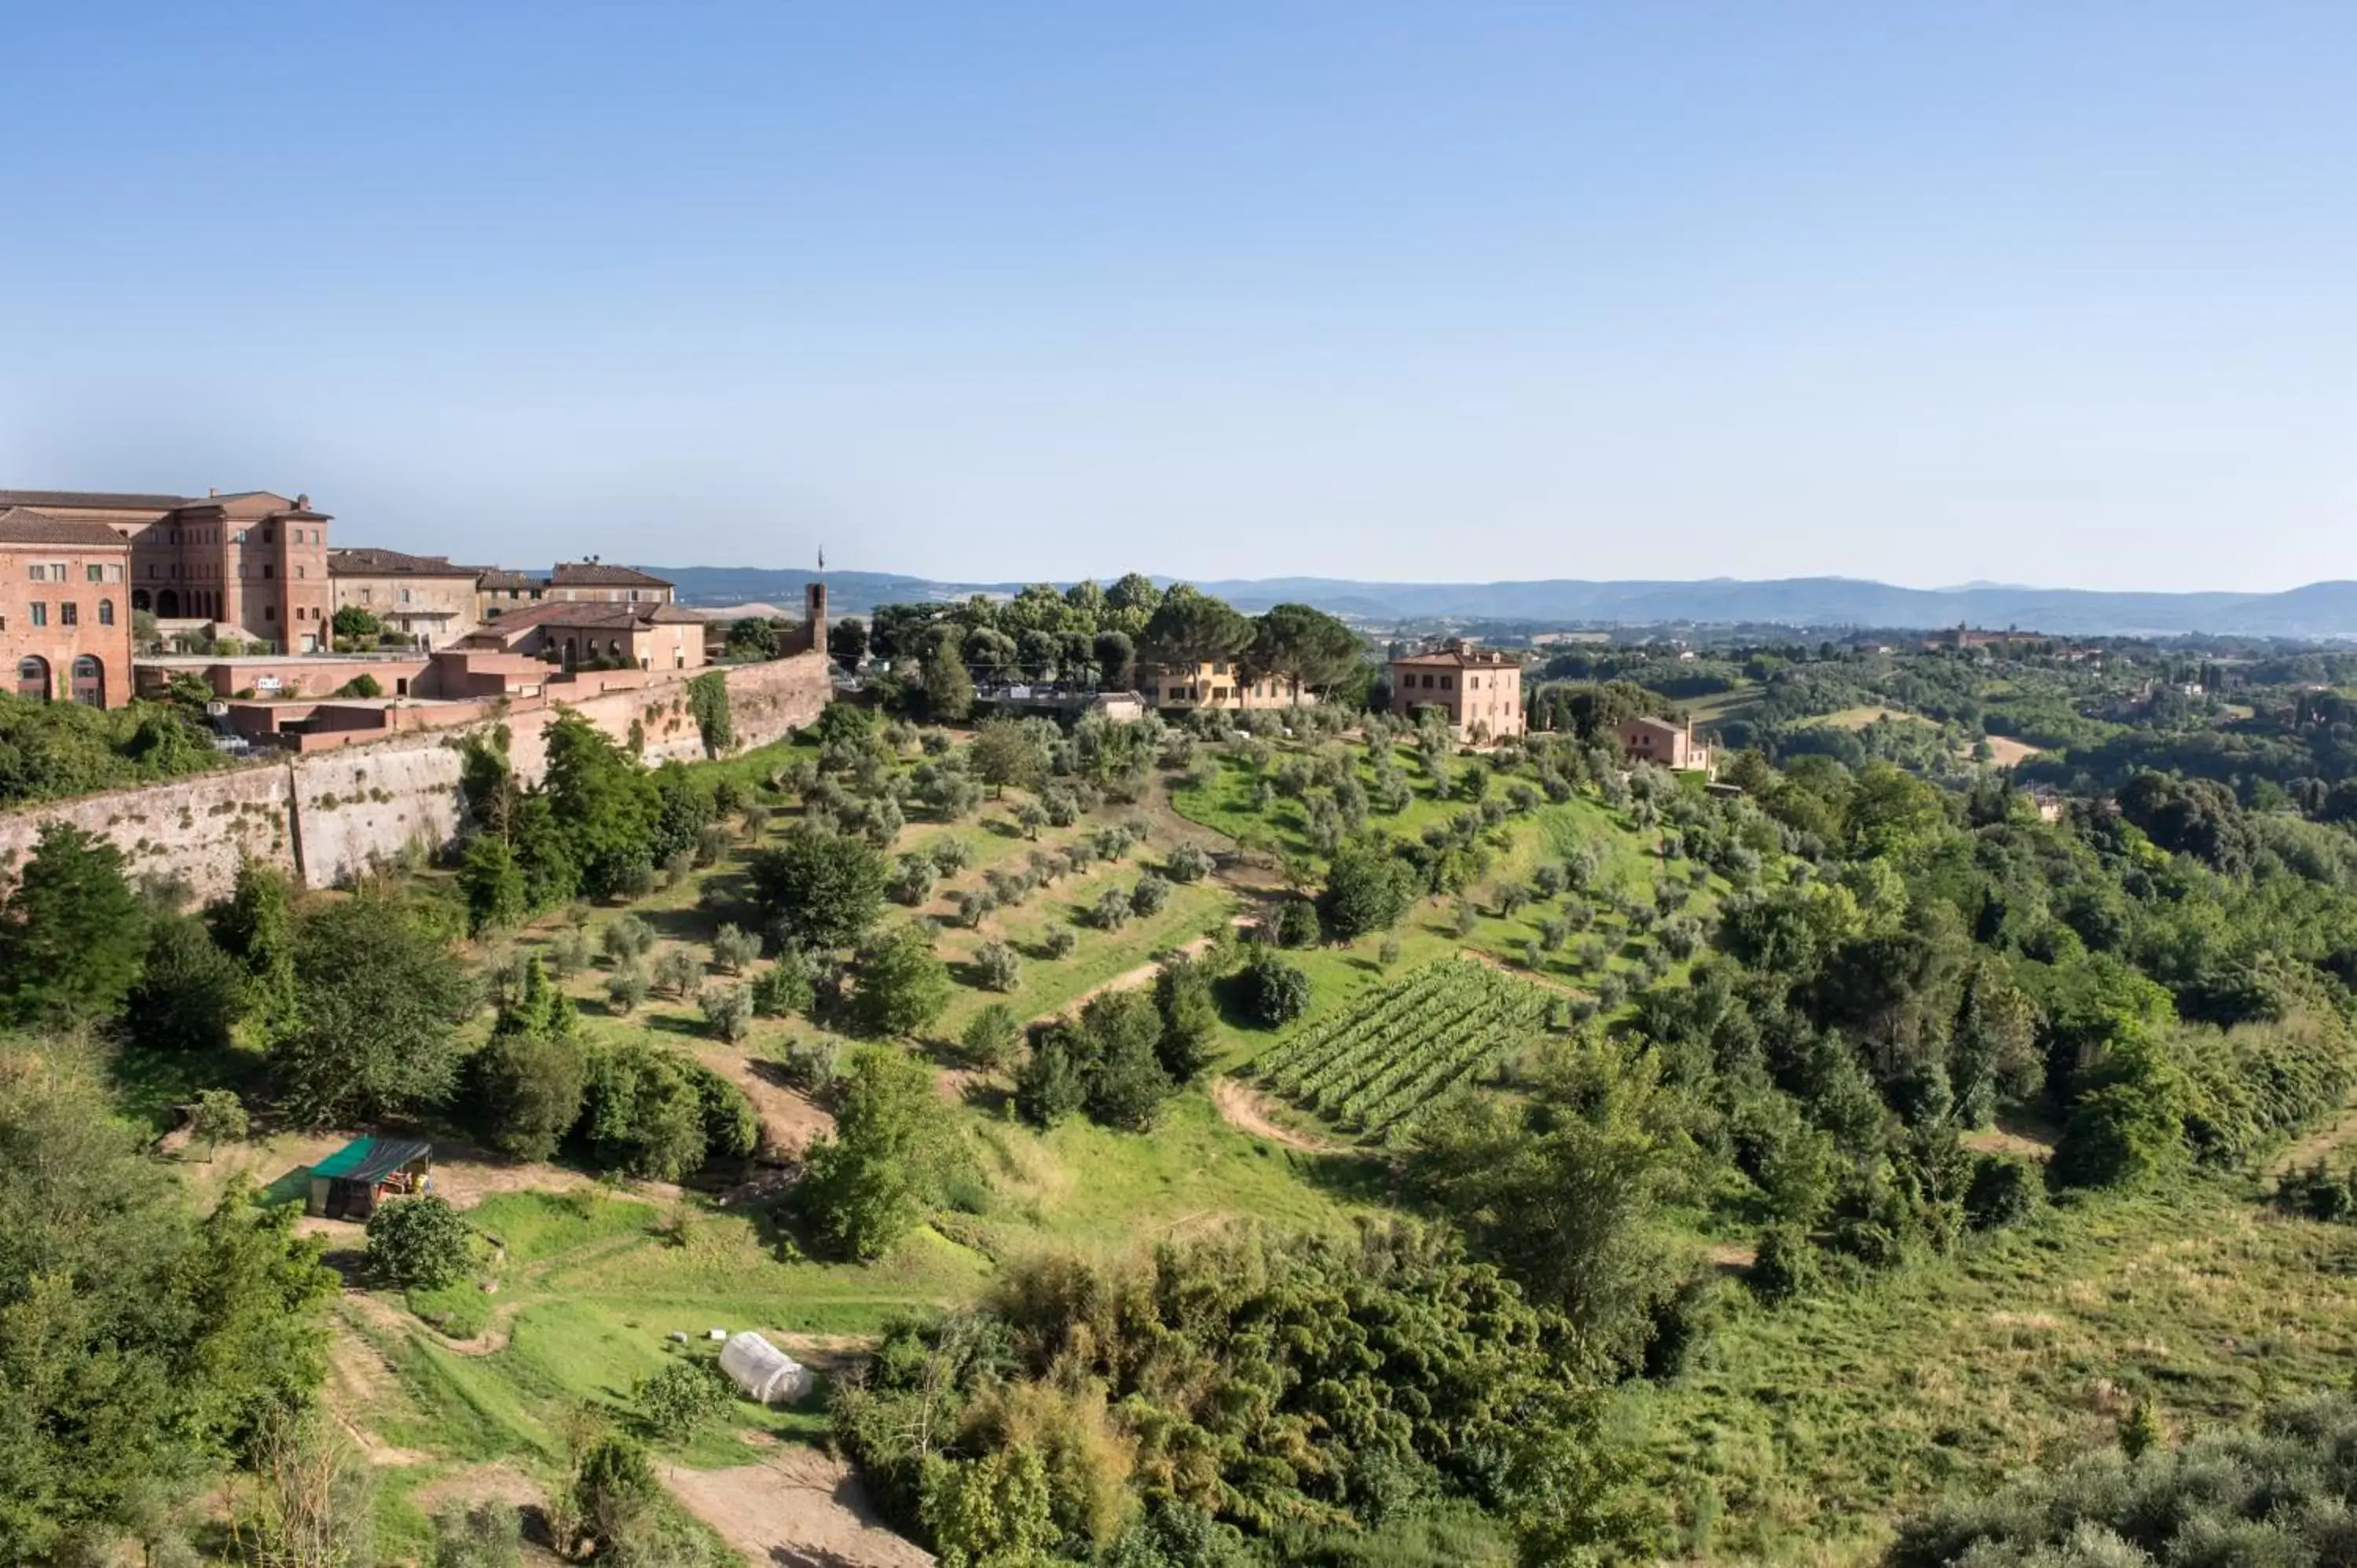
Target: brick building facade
<point>65,616</point>
<point>423,599</point>
<point>253,563</point>
<point>1480,690</point>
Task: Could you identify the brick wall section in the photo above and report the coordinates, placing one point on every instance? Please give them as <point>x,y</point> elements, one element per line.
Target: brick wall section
<point>324,817</point>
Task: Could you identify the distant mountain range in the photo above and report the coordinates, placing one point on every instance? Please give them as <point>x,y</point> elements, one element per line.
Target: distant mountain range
<point>2318,610</point>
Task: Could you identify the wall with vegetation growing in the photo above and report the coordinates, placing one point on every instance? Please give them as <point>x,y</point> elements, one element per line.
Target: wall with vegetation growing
<point>324,818</point>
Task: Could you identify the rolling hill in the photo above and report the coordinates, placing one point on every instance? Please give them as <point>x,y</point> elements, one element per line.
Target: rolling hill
<point>2324,609</point>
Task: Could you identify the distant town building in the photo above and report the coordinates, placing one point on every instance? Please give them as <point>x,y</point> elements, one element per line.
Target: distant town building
<point>570,582</point>
<point>65,622</point>
<point>1480,689</point>
<point>251,565</point>
<point>651,636</point>
<point>1218,683</point>
<point>424,599</point>
<point>1662,742</point>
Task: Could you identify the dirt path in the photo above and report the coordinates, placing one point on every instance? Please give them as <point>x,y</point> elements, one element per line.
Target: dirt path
<point>391,1319</point>
<point>797,1509</point>
<point>1128,980</point>
<point>357,1379</point>
<point>1242,1108</point>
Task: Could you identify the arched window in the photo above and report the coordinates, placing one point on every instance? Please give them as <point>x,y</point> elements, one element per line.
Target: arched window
<point>106,612</point>
<point>89,682</point>
<point>33,678</point>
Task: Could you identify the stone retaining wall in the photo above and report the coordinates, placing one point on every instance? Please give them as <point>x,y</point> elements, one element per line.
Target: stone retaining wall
<point>323,817</point>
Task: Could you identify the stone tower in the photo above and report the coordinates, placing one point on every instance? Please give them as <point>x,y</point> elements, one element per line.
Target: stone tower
<point>814,615</point>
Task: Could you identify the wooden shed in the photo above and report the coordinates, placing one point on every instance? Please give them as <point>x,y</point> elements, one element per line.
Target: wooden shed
<point>350,1183</point>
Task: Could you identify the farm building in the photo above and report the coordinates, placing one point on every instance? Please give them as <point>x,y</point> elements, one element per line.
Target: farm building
<point>350,1183</point>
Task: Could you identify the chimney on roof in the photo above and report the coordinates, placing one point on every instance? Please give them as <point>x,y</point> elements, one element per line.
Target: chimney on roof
<point>302,501</point>
<point>212,490</point>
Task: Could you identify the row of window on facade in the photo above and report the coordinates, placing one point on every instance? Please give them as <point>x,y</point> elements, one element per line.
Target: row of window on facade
<point>1408,682</point>
<point>58,572</point>
<point>156,570</point>
<point>69,612</point>
<point>89,679</point>
<point>212,536</point>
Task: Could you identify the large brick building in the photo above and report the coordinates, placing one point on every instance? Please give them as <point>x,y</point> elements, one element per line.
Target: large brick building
<point>424,599</point>
<point>252,563</point>
<point>572,582</point>
<point>65,622</point>
<point>1480,690</point>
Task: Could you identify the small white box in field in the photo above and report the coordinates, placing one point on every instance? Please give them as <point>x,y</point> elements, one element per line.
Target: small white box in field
<point>717,1334</point>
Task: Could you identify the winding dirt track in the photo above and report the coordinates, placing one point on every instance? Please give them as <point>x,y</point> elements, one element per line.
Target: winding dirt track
<point>1242,1107</point>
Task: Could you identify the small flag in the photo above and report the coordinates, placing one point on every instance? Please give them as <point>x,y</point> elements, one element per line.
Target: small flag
<point>822,558</point>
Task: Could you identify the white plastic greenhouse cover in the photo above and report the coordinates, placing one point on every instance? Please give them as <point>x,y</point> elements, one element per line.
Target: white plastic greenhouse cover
<point>764,1371</point>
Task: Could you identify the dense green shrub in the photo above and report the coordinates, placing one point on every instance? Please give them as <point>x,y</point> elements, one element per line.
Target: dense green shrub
<point>419,1243</point>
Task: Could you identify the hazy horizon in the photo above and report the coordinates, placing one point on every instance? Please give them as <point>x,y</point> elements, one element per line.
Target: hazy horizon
<point>1034,290</point>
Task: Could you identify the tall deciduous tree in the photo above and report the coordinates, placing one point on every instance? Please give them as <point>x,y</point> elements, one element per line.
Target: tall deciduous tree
<point>822,889</point>
<point>1564,1190</point>
<point>893,1150</point>
<point>604,803</point>
<point>903,986</point>
<point>382,997</point>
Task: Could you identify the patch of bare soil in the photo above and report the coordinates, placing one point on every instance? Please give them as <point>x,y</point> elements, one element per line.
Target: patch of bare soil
<point>2007,753</point>
<point>791,1120</point>
<point>796,1508</point>
<point>1733,1257</point>
<point>2003,1140</point>
<point>829,1354</point>
<point>1242,1107</point>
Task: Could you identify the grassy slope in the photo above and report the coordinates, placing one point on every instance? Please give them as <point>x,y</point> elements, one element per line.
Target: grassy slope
<point>1813,1426</point>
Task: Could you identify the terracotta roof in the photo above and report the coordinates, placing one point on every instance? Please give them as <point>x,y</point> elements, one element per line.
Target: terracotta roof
<point>21,525</point>
<point>1461,659</point>
<point>1648,721</point>
<point>110,499</point>
<point>499,578</point>
<point>366,560</point>
<point>598,574</point>
<point>588,615</point>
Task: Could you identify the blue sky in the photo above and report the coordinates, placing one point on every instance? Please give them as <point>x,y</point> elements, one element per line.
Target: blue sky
<point>2063,295</point>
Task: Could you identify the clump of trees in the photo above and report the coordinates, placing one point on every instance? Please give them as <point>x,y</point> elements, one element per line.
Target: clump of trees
<point>997,1431</point>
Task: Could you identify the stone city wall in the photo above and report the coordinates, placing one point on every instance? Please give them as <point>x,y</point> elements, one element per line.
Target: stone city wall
<point>325,817</point>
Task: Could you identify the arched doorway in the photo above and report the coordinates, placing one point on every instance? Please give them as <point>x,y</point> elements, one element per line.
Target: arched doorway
<point>33,678</point>
<point>168,604</point>
<point>89,682</point>
<point>142,600</point>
